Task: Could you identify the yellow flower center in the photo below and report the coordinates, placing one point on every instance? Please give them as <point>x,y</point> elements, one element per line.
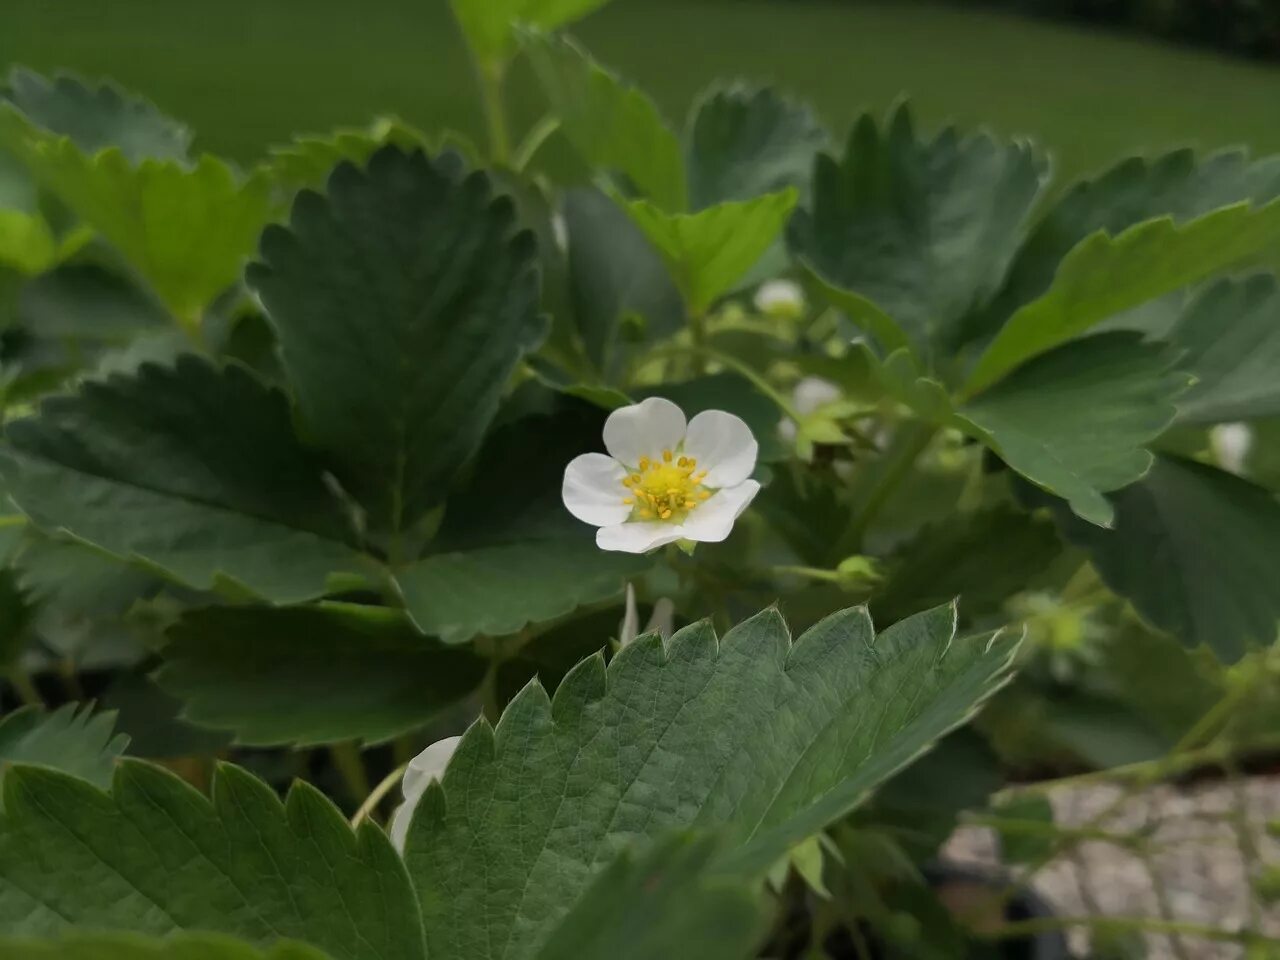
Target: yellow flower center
<point>665,489</point>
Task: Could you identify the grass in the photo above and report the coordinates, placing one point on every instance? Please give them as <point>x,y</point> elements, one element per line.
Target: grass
<point>246,73</point>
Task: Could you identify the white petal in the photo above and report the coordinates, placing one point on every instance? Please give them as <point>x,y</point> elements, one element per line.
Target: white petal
<point>630,626</point>
<point>640,537</point>
<point>813,392</point>
<point>780,298</point>
<point>429,765</point>
<point>643,429</point>
<point>723,446</point>
<point>1231,443</point>
<point>663,618</point>
<point>593,490</point>
<point>712,521</point>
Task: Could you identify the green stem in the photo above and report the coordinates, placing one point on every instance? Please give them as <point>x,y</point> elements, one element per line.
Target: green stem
<point>385,786</point>
<point>1040,828</point>
<point>533,141</point>
<point>812,573</point>
<point>1024,928</point>
<point>491,75</point>
<point>913,439</point>
<point>347,760</point>
<point>20,680</point>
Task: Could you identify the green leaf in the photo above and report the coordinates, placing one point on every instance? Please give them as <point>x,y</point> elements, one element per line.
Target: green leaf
<point>508,553</point>
<point>1025,829</point>
<point>85,301</point>
<point>1229,337</point>
<point>156,857</point>
<point>307,161</point>
<point>187,229</point>
<point>982,558</point>
<point>664,902</point>
<point>311,675</point>
<point>1194,549</point>
<point>193,470</point>
<point>615,274</point>
<point>1134,190</point>
<point>423,276</point>
<point>1105,275</point>
<point>747,141</point>
<point>766,740</point>
<point>125,947</point>
<point>487,24</point>
<point>709,251</point>
<point>97,117</point>
<point>72,739</point>
<point>923,230</point>
<point>1075,421</point>
<point>613,125</point>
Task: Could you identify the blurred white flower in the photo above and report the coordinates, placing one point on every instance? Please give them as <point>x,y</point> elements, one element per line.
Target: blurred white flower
<point>661,621</point>
<point>780,298</point>
<point>1231,443</point>
<point>427,766</point>
<point>663,480</point>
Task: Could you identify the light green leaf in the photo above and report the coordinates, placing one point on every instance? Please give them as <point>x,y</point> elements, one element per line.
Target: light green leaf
<point>126,947</point>
<point>26,242</point>
<point>508,552</point>
<point>72,739</point>
<point>1229,338</point>
<point>1075,421</point>
<point>709,251</point>
<point>664,902</point>
<point>487,23</point>
<point>97,117</point>
<point>1106,275</point>
<point>155,857</point>
<point>924,230</point>
<point>307,161</point>
<point>423,276</point>
<point>613,125</point>
<point>1194,549</point>
<point>747,141</point>
<point>310,675</point>
<point>193,470</point>
<point>765,740</point>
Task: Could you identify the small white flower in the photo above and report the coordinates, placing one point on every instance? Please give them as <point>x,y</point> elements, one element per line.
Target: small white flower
<point>427,766</point>
<point>1231,444</point>
<point>661,621</point>
<point>780,298</point>
<point>810,394</point>
<point>663,480</point>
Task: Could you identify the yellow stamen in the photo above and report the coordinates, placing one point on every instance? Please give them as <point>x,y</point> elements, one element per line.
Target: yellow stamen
<point>666,455</point>
<point>629,501</point>
<point>683,461</point>
<point>665,488</point>
<point>644,464</point>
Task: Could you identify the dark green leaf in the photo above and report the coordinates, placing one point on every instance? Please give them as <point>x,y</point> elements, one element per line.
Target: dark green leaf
<point>768,740</point>
<point>151,719</point>
<point>125,947</point>
<point>665,902</point>
<point>1075,421</point>
<point>88,302</point>
<point>487,23</point>
<point>424,278</point>
<point>1194,549</point>
<point>311,675</point>
<point>97,117</point>
<point>748,141</point>
<point>194,470</point>
<point>156,857</point>
<point>308,161</point>
<point>72,739</point>
<point>924,230</point>
<point>613,125</point>
<point>1230,341</point>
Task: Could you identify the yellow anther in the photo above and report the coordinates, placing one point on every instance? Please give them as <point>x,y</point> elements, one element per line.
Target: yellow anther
<point>666,455</point>
<point>683,461</point>
<point>644,464</point>
<point>665,514</point>
<point>690,503</point>
<point>629,501</point>
<point>704,494</point>
<point>698,478</point>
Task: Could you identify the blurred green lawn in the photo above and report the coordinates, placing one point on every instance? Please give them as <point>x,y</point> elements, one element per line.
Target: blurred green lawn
<point>246,73</point>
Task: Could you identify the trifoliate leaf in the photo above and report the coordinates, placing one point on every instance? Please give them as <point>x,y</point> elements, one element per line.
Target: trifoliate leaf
<point>1194,549</point>
<point>422,275</point>
<point>709,251</point>
<point>766,740</point>
<point>1106,275</point>
<point>745,142</point>
<point>664,902</point>
<point>311,675</point>
<point>130,947</point>
<point>72,739</point>
<point>1229,337</point>
<point>923,230</point>
<point>487,23</point>
<point>155,857</point>
<point>192,469</point>
<point>1075,421</point>
<point>96,117</point>
<point>613,125</point>
<point>508,553</point>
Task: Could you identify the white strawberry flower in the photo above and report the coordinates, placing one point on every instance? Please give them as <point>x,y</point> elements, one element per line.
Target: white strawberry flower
<point>427,766</point>
<point>663,480</point>
<point>780,298</point>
